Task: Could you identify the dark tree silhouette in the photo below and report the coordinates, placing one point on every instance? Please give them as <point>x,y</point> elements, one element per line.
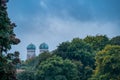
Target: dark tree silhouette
<point>7,38</point>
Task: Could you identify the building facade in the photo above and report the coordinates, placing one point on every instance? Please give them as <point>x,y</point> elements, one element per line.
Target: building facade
<point>31,50</point>
<point>43,48</point>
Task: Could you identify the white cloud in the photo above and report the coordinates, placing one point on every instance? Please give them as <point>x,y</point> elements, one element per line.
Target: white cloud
<point>54,30</point>
<point>73,27</point>
<point>54,24</point>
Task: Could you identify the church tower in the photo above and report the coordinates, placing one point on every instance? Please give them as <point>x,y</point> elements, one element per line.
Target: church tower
<point>31,51</point>
<point>43,48</point>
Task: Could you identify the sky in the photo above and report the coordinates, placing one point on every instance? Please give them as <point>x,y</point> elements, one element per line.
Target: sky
<point>57,21</point>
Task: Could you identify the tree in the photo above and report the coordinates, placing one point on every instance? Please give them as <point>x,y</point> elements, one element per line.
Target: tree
<point>7,38</point>
<point>26,75</point>
<point>62,49</point>
<point>108,64</point>
<point>97,42</point>
<point>55,68</point>
<point>31,64</point>
<point>43,56</point>
<point>78,51</point>
<point>115,40</point>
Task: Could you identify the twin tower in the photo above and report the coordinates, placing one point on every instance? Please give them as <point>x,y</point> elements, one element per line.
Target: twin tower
<point>31,49</point>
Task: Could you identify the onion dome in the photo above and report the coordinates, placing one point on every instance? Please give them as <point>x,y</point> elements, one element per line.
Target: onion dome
<point>31,46</point>
<point>43,46</point>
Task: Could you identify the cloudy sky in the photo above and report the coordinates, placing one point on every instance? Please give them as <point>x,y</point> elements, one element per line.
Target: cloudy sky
<point>56,21</point>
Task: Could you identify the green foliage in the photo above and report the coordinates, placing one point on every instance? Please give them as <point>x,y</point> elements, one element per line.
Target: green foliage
<point>79,51</point>
<point>26,75</point>
<point>62,49</point>
<point>97,42</point>
<point>30,63</point>
<point>108,64</point>
<point>115,40</point>
<point>75,60</point>
<point>44,56</point>
<point>7,38</point>
<point>8,66</point>
<point>56,68</point>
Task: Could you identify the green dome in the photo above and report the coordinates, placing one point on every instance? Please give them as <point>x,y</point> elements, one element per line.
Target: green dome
<point>43,46</point>
<point>31,46</point>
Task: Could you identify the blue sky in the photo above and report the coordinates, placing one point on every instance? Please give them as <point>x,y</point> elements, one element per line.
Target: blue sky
<point>56,21</point>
